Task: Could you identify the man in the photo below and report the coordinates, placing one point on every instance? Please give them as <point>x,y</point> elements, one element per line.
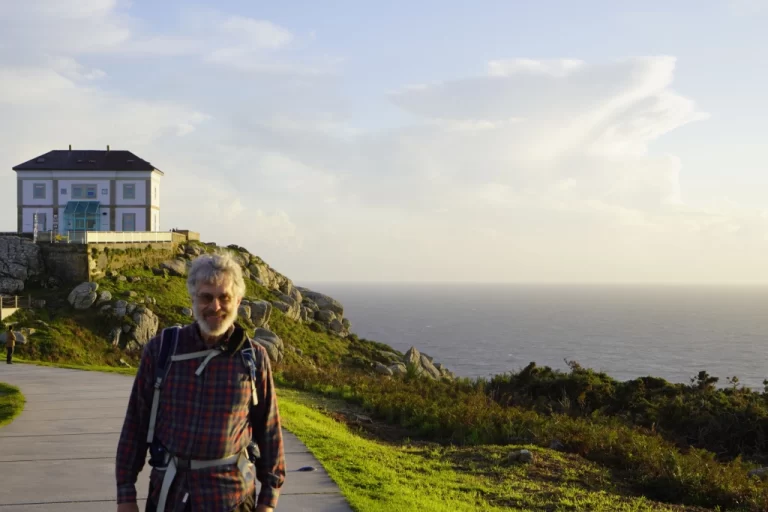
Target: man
<point>10,344</point>
<point>206,418</point>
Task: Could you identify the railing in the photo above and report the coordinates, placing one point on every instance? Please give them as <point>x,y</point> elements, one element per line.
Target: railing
<point>105,237</point>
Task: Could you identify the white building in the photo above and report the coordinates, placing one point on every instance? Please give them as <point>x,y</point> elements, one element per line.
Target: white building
<point>77,190</point>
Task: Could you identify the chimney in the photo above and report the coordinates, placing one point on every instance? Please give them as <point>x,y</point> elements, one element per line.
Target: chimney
<point>107,147</point>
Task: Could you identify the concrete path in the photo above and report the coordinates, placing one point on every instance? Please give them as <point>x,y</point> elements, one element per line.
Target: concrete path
<point>59,454</point>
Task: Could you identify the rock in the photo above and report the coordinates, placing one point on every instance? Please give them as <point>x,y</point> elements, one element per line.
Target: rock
<point>177,267</point>
<point>323,301</point>
<point>126,328</point>
<point>336,326</point>
<point>298,351</point>
<point>131,293</point>
<point>413,358</point>
<point>266,334</point>
<point>193,250</point>
<point>146,325</point>
<point>430,368</point>
<point>186,312</point>
<point>398,369</point>
<point>390,356</point>
<point>346,323</point>
<point>361,418</point>
<point>104,296</point>
<point>20,338</point>
<point>105,308</point>
<point>160,272</point>
<point>130,308</point>
<point>260,312</point>
<point>53,282</point>
<point>271,348</point>
<point>307,315</point>
<point>285,298</point>
<point>20,261</point>
<point>134,279</point>
<point>296,295</point>
<point>382,370</point>
<point>114,336</point>
<point>244,311</point>
<point>291,310</point>
<point>83,295</point>
<point>311,305</point>
<point>524,456</point>
<point>325,316</point>
<point>557,445</point>
<point>121,308</point>
<point>121,279</point>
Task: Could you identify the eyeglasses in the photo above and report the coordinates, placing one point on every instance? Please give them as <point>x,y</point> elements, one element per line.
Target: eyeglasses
<point>207,298</point>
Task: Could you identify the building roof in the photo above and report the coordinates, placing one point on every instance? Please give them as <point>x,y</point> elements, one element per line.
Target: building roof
<point>86,160</point>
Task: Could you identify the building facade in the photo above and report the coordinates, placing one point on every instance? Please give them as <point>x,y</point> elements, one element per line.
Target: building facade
<point>87,190</point>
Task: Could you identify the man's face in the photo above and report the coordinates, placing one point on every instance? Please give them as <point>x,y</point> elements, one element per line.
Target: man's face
<point>215,307</point>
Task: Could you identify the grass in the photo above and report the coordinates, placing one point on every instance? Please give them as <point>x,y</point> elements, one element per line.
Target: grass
<point>377,476</point>
<point>11,403</point>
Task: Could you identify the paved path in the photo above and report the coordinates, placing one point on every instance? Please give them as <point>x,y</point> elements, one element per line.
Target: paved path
<point>59,454</point>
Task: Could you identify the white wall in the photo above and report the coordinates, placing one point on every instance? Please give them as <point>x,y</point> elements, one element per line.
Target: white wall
<point>155,190</point>
<point>141,218</point>
<point>140,197</point>
<point>101,186</point>
<point>26,218</point>
<point>104,216</point>
<point>27,193</point>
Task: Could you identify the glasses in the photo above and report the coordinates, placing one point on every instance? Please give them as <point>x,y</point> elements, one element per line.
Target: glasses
<point>207,298</point>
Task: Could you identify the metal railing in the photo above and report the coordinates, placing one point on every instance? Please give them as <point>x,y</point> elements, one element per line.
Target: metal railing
<point>105,237</point>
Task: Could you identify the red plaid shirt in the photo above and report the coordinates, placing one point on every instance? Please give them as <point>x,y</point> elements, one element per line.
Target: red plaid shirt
<point>203,417</point>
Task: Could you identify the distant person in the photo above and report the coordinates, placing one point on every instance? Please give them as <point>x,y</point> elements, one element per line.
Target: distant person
<point>213,426</point>
<point>10,344</point>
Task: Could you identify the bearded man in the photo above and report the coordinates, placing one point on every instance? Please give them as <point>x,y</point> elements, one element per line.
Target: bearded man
<point>203,403</point>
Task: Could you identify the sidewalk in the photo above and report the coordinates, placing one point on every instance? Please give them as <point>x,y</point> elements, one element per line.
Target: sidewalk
<point>59,454</point>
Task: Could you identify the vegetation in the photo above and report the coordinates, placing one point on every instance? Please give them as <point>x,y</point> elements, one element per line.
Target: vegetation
<point>11,403</point>
<point>685,445</point>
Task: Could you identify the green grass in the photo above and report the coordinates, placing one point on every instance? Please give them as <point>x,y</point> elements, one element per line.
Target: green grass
<point>377,476</point>
<point>11,403</point>
<point>84,367</point>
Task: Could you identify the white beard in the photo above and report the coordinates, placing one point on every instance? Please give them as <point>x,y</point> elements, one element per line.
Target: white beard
<point>225,324</point>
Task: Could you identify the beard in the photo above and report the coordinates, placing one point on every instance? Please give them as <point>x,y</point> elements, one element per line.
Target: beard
<point>214,324</point>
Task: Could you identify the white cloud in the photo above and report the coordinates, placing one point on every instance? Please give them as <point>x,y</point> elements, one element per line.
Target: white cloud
<point>257,34</point>
<point>558,68</point>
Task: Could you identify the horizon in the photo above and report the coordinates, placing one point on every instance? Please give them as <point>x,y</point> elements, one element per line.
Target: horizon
<point>528,143</point>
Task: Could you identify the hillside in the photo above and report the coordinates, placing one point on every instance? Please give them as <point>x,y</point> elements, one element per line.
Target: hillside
<point>591,441</point>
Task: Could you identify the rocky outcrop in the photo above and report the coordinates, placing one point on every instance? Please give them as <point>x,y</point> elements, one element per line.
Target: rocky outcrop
<point>261,310</point>
<point>20,261</point>
<point>177,267</point>
<point>324,302</point>
<point>146,325</point>
<point>83,295</point>
<point>271,342</point>
<point>423,365</point>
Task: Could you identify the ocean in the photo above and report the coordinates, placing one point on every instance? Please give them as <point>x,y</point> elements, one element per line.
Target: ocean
<point>671,332</point>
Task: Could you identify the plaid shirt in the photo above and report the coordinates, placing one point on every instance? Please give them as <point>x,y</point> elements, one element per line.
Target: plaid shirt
<point>204,417</point>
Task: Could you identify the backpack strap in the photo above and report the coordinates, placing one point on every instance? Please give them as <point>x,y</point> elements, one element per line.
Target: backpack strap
<point>249,360</point>
<point>169,340</point>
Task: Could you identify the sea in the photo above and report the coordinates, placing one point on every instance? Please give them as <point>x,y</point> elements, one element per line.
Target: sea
<point>628,331</point>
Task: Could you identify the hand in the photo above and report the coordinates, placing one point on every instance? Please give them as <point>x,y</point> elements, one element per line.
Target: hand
<point>261,508</point>
<point>128,507</point>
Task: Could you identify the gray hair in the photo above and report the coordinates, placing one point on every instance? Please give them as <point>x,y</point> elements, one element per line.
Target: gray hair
<point>213,269</point>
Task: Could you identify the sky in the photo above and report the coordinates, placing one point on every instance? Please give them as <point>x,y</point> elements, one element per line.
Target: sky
<point>418,141</point>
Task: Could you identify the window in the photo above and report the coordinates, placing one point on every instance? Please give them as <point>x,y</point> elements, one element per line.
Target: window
<point>129,222</point>
<point>83,191</point>
<point>104,191</point>
<point>129,191</point>
<point>38,191</point>
<point>63,191</point>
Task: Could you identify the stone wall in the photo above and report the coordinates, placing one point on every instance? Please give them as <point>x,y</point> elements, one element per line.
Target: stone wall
<point>67,262</point>
<point>105,257</point>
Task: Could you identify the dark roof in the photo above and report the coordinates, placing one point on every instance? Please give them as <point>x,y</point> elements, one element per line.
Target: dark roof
<point>86,160</point>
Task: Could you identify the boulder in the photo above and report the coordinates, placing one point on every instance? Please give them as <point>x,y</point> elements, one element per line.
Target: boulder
<point>20,338</point>
<point>398,369</point>
<point>177,267</point>
<point>430,368</point>
<point>323,301</point>
<point>130,308</point>
<point>266,334</point>
<point>310,305</point>
<point>134,279</point>
<point>260,312</point>
<point>413,358</point>
<point>146,325</point>
<point>285,298</point>
<point>160,272</point>
<point>244,311</point>
<point>325,316</point>
<point>382,369</point>
<point>104,296</point>
<point>121,279</point>
<point>291,311</point>
<point>105,308</point>
<point>307,315</point>
<point>83,295</point>
<point>524,456</point>
<point>271,348</point>
<point>336,326</point>
<point>121,308</point>
<point>21,261</point>
<point>346,323</point>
